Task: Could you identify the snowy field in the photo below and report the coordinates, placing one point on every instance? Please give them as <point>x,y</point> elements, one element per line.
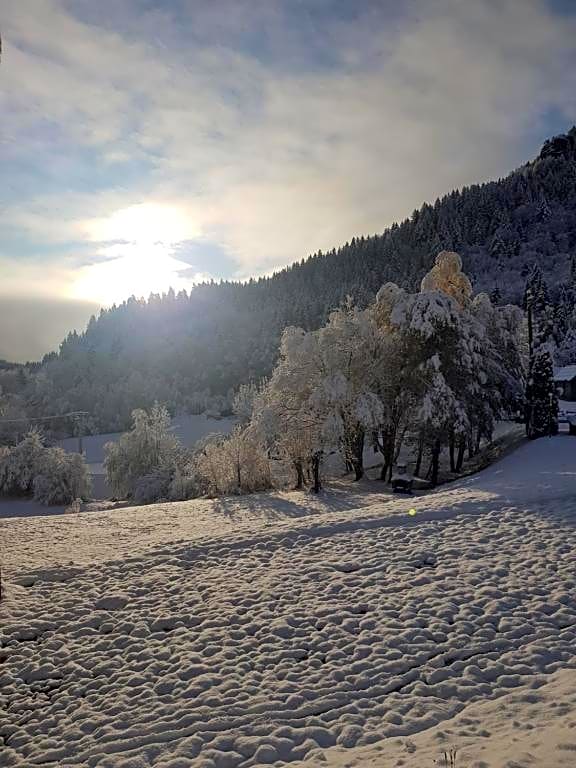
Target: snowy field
<point>280,628</point>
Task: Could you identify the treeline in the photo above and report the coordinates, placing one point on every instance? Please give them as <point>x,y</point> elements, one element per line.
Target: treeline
<point>192,351</point>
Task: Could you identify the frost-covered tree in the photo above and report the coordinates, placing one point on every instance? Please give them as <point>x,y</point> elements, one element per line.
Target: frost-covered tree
<point>504,328</point>
<point>290,415</point>
<point>243,403</point>
<point>397,384</point>
<point>349,350</point>
<point>446,275</point>
<point>50,475</point>
<point>149,448</point>
<point>61,478</point>
<point>320,397</point>
<point>449,360</point>
<point>21,464</point>
<point>236,463</point>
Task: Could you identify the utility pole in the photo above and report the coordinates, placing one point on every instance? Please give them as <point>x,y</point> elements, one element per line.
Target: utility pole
<point>529,394</point>
<point>79,428</point>
<point>529,303</point>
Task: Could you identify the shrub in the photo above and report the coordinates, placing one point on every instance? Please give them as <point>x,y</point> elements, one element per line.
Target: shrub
<point>20,465</point>
<point>152,487</point>
<point>184,485</point>
<point>62,477</point>
<point>50,474</point>
<point>148,449</point>
<point>233,464</point>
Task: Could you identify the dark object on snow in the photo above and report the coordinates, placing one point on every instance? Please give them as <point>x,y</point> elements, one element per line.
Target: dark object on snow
<point>402,481</point>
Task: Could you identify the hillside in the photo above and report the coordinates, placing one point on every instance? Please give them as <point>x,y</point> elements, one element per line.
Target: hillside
<point>283,627</point>
<point>184,349</point>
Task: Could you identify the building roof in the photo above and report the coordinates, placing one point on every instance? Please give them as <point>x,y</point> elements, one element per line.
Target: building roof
<point>565,374</point>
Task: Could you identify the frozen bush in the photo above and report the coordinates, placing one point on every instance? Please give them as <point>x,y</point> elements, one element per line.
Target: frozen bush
<point>50,474</point>
<point>62,477</point>
<point>233,464</point>
<point>148,449</point>
<point>152,487</point>
<point>20,465</point>
<point>183,485</point>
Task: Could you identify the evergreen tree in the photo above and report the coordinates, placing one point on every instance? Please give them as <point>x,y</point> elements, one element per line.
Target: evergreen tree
<point>543,212</point>
<point>541,397</point>
<point>540,310</point>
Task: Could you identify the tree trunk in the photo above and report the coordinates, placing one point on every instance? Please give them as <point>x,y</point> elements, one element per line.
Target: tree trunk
<point>317,486</point>
<point>357,454</point>
<point>299,475</point>
<point>435,465</point>
<point>452,449</point>
<point>387,451</point>
<point>460,457</point>
<point>419,457</point>
<point>384,470</point>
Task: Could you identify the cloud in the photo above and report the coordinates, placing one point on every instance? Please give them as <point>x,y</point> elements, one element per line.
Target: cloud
<point>279,128</point>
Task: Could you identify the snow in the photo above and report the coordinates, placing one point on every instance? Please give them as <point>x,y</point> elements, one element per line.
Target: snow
<point>26,508</point>
<point>565,374</point>
<point>287,628</point>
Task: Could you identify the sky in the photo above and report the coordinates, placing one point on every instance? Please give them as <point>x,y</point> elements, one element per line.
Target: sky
<point>149,143</point>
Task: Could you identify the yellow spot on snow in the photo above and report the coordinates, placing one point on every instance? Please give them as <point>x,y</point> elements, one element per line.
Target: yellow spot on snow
<point>411,512</point>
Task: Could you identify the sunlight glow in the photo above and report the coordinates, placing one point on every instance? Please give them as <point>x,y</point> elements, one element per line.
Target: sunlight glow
<point>140,259</point>
<point>139,271</point>
<point>145,223</point>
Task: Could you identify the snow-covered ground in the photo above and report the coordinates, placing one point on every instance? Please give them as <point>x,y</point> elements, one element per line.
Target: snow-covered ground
<point>283,628</point>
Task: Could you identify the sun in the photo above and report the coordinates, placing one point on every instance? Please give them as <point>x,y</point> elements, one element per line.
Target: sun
<point>136,254</point>
<point>146,223</point>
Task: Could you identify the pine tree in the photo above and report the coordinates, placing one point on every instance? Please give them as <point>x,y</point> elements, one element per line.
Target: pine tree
<point>539,309</point>
<point>541,397</point>
<point>543,212</point>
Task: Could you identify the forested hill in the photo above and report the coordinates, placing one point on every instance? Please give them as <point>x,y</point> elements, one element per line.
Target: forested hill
<point>181,348</point>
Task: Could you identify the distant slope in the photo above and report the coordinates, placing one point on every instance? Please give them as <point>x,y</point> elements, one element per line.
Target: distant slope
<point>181,349</point>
